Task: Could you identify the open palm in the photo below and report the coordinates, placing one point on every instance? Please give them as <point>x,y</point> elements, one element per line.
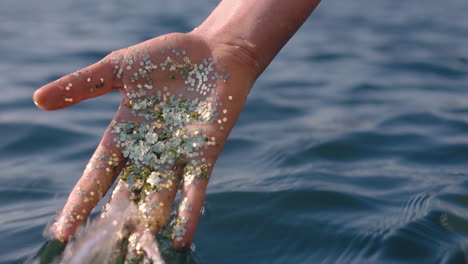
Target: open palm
<point>179,103</point>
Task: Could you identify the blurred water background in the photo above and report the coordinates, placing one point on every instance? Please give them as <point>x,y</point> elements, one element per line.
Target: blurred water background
<point>352,148</point>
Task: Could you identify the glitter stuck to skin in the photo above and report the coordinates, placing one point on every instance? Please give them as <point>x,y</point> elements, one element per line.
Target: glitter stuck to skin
<point>168,130</point>
<point>165,129</point>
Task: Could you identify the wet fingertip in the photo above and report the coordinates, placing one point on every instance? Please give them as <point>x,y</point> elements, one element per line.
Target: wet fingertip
<point>181,246</point>
<point>58,234</point>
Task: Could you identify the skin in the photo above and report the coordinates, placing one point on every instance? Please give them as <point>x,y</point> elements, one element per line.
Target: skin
<point>245,35</point>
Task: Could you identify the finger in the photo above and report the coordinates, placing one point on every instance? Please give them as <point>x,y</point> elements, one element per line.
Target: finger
<point>120,195</point>
<point>156,207</point>
<point>92,81</point>
<point>194,186</point>
<point>101,171</point>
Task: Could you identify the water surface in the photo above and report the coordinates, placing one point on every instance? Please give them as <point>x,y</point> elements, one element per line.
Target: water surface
<point>352,148</point>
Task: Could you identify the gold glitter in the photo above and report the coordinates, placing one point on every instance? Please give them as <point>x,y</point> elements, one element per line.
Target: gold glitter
<point>173,122</point>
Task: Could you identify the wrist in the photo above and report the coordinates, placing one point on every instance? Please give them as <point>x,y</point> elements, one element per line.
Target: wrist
<point>254,31</point>
<point>239,52</point>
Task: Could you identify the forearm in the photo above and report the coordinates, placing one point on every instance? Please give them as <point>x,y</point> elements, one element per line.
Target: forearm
<point>257,28</point>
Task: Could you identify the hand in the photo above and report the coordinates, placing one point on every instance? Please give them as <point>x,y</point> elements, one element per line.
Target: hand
<point>181,95</point>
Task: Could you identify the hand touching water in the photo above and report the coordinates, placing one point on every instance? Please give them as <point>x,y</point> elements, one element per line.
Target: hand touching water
<point>181,94</point>
<point>180,98</point>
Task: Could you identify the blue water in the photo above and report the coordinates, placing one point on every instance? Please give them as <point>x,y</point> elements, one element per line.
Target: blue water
<point>352,148</point>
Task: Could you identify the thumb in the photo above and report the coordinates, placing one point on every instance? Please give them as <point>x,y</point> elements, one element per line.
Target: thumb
<point>92,81</point>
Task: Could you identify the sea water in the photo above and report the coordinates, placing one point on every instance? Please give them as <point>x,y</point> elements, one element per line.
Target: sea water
<point>352,147</point>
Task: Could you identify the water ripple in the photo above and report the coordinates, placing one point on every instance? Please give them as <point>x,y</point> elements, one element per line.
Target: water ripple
<point>352,147</point>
